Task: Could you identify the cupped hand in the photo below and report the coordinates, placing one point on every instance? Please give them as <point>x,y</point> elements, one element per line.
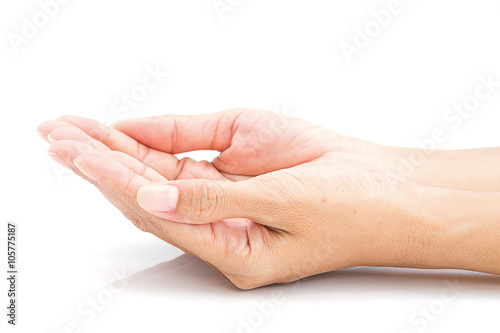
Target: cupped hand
<point>283,200</point>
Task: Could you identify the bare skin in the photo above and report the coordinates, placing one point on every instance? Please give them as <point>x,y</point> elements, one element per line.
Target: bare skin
<point>285,198</point>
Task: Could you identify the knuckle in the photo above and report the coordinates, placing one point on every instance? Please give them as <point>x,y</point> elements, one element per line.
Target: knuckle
<point>204,201</point>
<point>183,167</point>
<point>142,152</point>
<point>100,132</point>
<point>122,183</point>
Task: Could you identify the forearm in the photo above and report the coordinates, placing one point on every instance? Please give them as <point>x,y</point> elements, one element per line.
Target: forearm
<point>469,170</point>
<point>437,228</point>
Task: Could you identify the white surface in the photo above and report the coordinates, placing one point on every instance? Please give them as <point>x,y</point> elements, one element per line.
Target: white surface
<point>281,55</point>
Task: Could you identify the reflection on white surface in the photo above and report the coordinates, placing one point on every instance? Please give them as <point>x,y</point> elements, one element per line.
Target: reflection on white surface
<point>187,273</point>
<point>191,294</point>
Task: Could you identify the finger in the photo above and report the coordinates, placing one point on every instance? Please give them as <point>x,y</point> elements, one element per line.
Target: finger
<point>229,234</point>
<point>118,179</point>
<point>203,201</point>
<point>191,169</point>
<point>135,166</point>
<point>234,177</point>
<point>183,169</point>
<point>165,164</point>
<point>72,149</point>
<point>75,134</point>
<point>178,134</point>
<point>67,151</point>
<point>60,130</point>
<point>187,168</point>
<point>46,127</point>
<point>64,152</point>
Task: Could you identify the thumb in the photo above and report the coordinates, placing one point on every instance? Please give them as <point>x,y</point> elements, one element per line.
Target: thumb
<point>200,201</point>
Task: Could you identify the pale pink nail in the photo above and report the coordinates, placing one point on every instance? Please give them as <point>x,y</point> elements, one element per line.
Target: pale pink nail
<point>51,139</point>
<point>78,164</point>
<point>158,198</point>
<point>56,158</point>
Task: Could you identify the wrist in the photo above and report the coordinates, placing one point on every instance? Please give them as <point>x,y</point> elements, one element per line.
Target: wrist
<point>467,170</point>
<point>438,228</point>
<point>406,164</point>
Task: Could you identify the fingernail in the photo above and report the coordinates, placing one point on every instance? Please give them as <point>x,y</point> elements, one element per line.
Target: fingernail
<point>43,136</point>
<point>158,198</point>
<point>78,164</point>
<point>51,139</point>
<point>56,158</point>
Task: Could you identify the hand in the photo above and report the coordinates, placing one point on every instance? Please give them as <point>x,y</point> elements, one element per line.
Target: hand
<point>285,199</point>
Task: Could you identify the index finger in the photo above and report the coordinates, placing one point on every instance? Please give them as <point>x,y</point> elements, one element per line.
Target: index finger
<point>176,134</point>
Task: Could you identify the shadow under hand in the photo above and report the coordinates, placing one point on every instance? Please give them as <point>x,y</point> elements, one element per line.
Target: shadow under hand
<point>185,273</point>
<point>363,282</point>
<point>188,274</point>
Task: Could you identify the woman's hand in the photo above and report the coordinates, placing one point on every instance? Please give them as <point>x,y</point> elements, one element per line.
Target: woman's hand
<point>283,200</point>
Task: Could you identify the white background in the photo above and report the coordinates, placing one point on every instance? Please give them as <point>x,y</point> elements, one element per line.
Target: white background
<point>279,55</point>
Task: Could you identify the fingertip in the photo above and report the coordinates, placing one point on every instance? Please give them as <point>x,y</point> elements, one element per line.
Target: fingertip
<point>128,124</point>
<point>66,117</point>
<point>77,161</point>
<point>43,136</point>
<point>125,124</point>
<point>58,159</point>
<point>42,130</point>
<point>118,124</point>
